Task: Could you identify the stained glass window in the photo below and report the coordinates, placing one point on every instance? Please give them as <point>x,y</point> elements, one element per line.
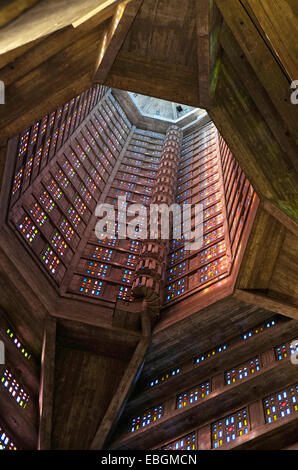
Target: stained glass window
<point>55,190</point>
<point>210,353</point>
<point>147,418</point>
<point>259,329</point>
<point>14,388</point>
<point>59,243</point>
<point>28,229</point>
<point>66,229</point>
<point>188,442</point>
<point>79,204</point>
<point>164,376</point>
<point>127,276</point>
<point>97,269</point>
<point>281,404</point>
<point>17,181</point>
<point>17,343</point>
<point>286,350</point>
<point>5,441</point>
<point>124,293</point>
<point>46,201</point>
<point>227,429</point>
<point>38,214</point>
<point>91,286</point>
<point>73,216</point>
<point>176,289</point>
<point>50,260</point>
<point>193,395</point>
<point>242,371</point>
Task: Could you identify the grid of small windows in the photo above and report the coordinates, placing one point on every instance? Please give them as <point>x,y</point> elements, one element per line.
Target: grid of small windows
<point>6,442</point>
<point>80,205</point>
<point>176,289</point>
<point>281,404</point>
<point>28,229</point>
<point>259,329</point>
<point>47,201</point>
<point>73,216</point>
<point>14,388</point>
<point>227,429</point>
<point>38,214</point>
<point>18,343</point>
<point>58,243</point>
<point>125,293</point>
<point>164,377</point>
<point>193,395</point>
<point>209,354</point>
<point>96,269</point>
<point>189,442</point>
<point>127,276</point>
<point>242,371</point>
<point>55,190</point>
<point>91,286</point>
<point>51,260</point>
<point>66,229</point>
<point>286,350</point>
<point>147,418</point>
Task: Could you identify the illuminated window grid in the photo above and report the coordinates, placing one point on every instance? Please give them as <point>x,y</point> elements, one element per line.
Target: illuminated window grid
<point>281,404</point>
<point>6,442</point>
<point>47,201</point>
<point>147,418</point>
<point>73,216</point>
<point>259,329</point>
<point>211,223</point>
<point>209,354</point>
<point>17,343</point>
<point>14,388</point>
<point>286,350</point>
<point>227,429</point>
<point>23,144</point>
<point>127,276</point>
<point>91,286</point>
<point>55,190</point>
<point>38,214</point>
<point>17,181</point>
<point>213,236</point>
<point>131,260</point>
<point>96,269</point>
<point>62,179</point>
<point>178,256</point>
<point>242,371</point>
<point>188,442</point>
<point>51,260</point>
<point>28,229</point>
<point>124,293</point>
<point>212,270</point>
<point>212,252</point>
<point>176,289</point>
<point>193,395</point>
<point>58,243</point>
<point>80,205</point>
<point>165,377</point>
<point>102,253</point>
<point>177,271</point>
<point>66,229</point>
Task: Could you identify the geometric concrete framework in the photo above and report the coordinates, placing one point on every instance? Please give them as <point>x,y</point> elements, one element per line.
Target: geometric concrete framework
<point>143,344</point>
